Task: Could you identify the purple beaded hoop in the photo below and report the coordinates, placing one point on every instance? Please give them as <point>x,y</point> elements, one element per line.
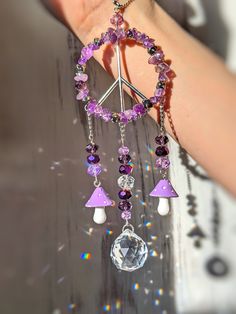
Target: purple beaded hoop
<point>112,36</point>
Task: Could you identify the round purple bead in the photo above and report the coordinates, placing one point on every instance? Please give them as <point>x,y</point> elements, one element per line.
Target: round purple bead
<point>94,170</point>
<point>163,163</point>
<point>161,140</point>
<point>124,159</point>
<point>91,148</point>
<point>124,194</point>
<point>125,169</point>
<point>162,151</point>
<point>126,215</point>
<point>124,150</point>
<point>93,159</point>
<point>124,205</point>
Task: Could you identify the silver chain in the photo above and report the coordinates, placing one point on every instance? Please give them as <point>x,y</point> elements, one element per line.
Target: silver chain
<point>119,6</point>
<point>122,133</point>
<point>162,118</point>
<point>90,127</point>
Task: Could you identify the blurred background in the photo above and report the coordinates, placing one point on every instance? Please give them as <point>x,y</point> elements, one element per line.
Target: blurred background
<point>54,260</point>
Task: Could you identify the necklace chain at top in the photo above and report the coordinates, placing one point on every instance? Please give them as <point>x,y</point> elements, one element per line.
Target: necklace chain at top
<point>119,6</point>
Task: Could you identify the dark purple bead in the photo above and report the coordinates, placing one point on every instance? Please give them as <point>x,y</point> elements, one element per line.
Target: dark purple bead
<point>91,148</point>
<point>161,140</point>
<point>125,169</point>
<point>124,194</point>
<point>124,159</point>
<point>93,159</point>
<point>147,104</point>
<point>152,50</point>
<point>162,151</point>
<point>129,33</point>
<point>124,205</point>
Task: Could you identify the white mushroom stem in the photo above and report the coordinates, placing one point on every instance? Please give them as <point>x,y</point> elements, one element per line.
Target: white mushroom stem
<point>163,206</point>
<point>99,216</point>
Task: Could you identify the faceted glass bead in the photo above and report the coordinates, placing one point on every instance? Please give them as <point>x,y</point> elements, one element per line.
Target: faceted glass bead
<point>126,182</point>
<point>93,159</point>
<point>125,205</point>
<point>124,194</point>
<point>161,140</point>
<point>163,163</point>
<point>126,215</point>
<point>162,151</point>
<point>91,148</point>
<point>129,252</point>
<point>125,169</point>
<point>94,170</point>
<point>124,159</point>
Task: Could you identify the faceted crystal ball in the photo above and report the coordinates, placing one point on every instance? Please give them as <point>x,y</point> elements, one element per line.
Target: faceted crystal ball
<point>126,182</point>
<point>129,252</point>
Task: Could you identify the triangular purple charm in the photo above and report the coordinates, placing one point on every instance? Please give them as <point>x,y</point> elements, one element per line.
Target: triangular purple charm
<point>164,189</point>
<point>99,198</point>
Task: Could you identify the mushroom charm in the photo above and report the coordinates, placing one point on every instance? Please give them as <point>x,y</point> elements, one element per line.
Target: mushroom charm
<point>99,200</point>
<point>164,190</point>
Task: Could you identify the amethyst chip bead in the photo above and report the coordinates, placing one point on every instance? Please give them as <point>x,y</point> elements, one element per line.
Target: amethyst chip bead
<point>123,150</point>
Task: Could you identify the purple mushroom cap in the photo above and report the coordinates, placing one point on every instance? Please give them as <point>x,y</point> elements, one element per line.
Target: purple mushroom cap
<point>99,198</point>
<point>164,189</point>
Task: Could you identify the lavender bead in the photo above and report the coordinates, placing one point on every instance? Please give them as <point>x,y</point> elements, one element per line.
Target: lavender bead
<point>148,42</point>
<point>163,163</point>
<point>156,58</point>
<point>163,77</point>
<point>123,150</point>
<point>154,100</point>
<point>139,109</point>
<point>87,52</point>
<point>93,159</point>
<point>162,151</point>
<point>124,194</point>
<point>83,93</point>
<point>123,118</point>
<point>124,205</point>
<point>98,111</point>
<point>125,169</point>
<point>81,77</point>
<point>94,170</point>
<point>126,215</point>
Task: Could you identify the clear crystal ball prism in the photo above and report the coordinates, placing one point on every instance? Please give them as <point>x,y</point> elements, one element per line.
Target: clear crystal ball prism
<point>129,252</point>
<point>126,182</point>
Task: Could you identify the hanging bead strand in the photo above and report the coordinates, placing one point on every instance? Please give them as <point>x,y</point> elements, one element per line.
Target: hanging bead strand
<point>126,181</point>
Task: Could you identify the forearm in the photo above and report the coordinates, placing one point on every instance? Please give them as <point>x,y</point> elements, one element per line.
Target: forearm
<point>203,98</point>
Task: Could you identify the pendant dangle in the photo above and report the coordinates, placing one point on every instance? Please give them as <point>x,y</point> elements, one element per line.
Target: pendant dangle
<point>128,252</point>
<point>99,198</point>
<point>164,189</point>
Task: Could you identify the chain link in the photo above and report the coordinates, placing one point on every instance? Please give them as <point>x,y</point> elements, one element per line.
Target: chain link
<point>122,133</point>
<point>90,128</point>
<point>162,119</point>
<point>119,6</point>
